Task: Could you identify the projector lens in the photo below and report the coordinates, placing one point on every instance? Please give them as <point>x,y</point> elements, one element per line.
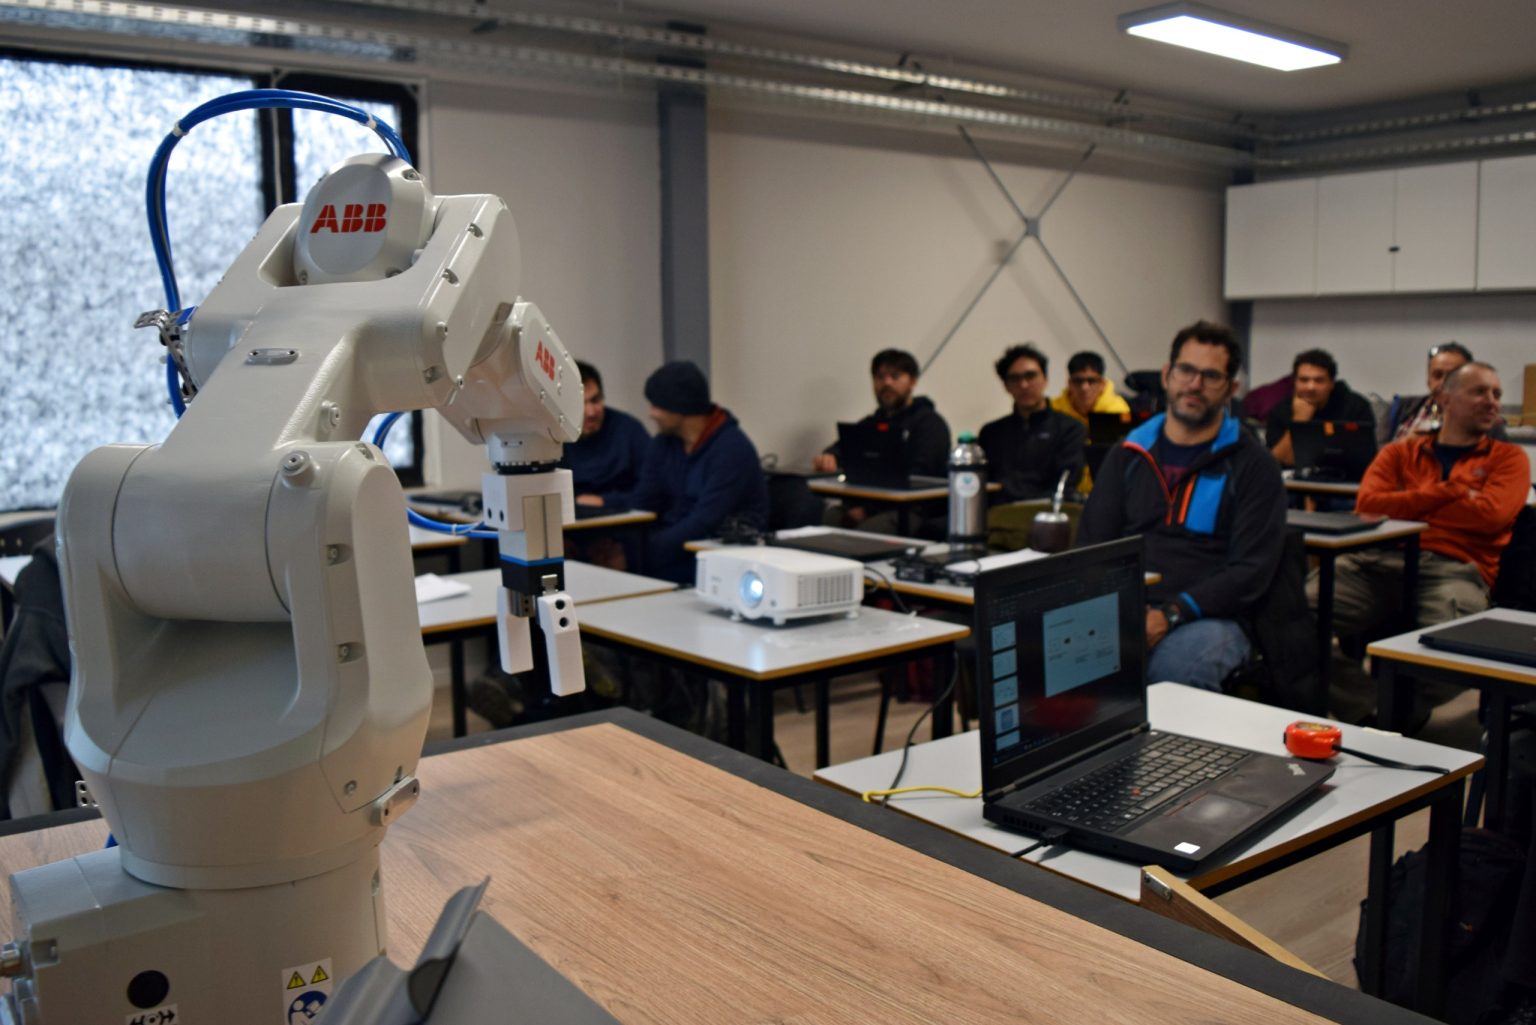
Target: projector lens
<point>751,590</point>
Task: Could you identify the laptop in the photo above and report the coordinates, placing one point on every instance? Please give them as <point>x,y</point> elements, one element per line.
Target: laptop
<point>1503,640</point>
<point>1336,450</point>
<point>1332,522</point>
<point>875,456</point>
<point>1066,750</point>
<point>847,546</point>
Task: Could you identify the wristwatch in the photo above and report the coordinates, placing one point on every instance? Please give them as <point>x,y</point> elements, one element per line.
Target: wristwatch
<point>1174,614</point>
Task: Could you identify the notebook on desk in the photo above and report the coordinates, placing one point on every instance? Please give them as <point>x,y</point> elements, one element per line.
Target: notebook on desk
<point>1066,750</point>
<point>1502,640</point>
<point>1332,450</point>
<point>875,455</point>
<point>1332,522</point>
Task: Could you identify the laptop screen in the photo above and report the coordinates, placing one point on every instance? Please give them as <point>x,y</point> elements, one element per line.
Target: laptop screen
<point>1061,657</point>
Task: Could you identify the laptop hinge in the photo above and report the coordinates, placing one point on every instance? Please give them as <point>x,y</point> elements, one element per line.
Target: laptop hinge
<point>1056,767</point>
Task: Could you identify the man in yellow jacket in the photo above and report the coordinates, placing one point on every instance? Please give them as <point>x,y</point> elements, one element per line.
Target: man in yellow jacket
<point>1088,391</point>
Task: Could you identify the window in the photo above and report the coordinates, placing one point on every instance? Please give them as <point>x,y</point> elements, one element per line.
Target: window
<point>75,257</point>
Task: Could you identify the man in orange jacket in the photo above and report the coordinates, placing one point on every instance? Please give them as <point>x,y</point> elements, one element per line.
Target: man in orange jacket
<point>1468,487</point>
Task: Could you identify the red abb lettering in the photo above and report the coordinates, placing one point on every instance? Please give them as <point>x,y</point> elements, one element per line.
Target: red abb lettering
<point>353,218</point>
<point>546,361</point>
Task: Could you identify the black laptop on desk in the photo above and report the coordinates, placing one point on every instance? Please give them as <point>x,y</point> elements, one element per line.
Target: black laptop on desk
<point>1332,450</point>
<point>1502,640</point>
<point>1066,750</point>
<point>1333,522</point>
<point>877,458</point>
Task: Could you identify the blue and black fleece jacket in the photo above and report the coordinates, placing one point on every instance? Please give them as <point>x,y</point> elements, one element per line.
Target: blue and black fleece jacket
<point>1215,539</point>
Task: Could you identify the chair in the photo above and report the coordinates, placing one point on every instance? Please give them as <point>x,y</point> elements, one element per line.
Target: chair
<point>1165,894</point>
<point>1283,668</point>
<point>21,537</point>
<point>1008,526</point>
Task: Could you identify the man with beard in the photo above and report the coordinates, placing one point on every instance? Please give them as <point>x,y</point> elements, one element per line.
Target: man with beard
<point>1208,499</point>
<point>894,375</point>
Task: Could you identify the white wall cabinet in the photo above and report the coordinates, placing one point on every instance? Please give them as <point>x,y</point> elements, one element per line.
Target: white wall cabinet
<point>1271,239</point>
<point>1506,218</point>
<point>1375,233</point>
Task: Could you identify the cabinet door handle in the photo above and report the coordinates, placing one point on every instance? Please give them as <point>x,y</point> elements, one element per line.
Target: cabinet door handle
<point>1394,249</point>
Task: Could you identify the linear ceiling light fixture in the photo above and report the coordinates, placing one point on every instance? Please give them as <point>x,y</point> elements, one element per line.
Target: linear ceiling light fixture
<point>1227,35</point>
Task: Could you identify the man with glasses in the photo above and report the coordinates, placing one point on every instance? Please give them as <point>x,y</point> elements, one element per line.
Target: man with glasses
<point>1088,391</point>
<point>1208,500</point>
<point>1029,449</point>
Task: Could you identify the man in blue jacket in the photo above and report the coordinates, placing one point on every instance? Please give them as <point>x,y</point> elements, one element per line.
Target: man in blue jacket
<point>700,471</point>
<point>1208,500</point>
<point>607,456</point>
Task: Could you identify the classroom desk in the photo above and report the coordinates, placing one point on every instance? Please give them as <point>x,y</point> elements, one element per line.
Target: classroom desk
<point>1328,548</point>
<point>454,620</point>
<point>1397,661</point>
<point>1336,488</point>
<point>903,500</point>
<point>1360,798</point>
<point>755,658</point>
<point>675,881</point>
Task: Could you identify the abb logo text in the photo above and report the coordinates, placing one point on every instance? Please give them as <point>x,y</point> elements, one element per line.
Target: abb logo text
<point>353,219</point>
<point>546,361</point>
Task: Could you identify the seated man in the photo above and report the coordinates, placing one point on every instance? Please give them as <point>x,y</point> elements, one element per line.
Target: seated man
<point>894,374</point>
<point>1088,391</point>
<point>1317,394</point>
<point>1421,414</point>
<point>607,456</point>
<point>700,472</point>
<point>1468,487</point>
<point>1029,449</point>
<point>1210,504</point>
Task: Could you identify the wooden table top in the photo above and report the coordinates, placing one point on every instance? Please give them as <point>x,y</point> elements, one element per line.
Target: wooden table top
<point>674,892</point>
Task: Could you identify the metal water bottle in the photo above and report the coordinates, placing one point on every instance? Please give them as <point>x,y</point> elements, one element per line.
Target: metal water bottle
<point>967,494</point>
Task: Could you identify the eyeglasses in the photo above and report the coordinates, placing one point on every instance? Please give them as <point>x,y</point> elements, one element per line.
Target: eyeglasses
<point>1184,373</point>
<point>1085,381</point>
<point>1021,377</point>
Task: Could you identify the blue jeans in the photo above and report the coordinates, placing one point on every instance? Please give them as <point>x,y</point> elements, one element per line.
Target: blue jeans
<point>1201,654</point>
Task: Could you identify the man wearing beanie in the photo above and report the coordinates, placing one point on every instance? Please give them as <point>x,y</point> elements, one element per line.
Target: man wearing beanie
<point>700,471</point>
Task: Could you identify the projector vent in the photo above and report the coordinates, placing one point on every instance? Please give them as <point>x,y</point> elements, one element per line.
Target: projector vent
<point>827,589</point>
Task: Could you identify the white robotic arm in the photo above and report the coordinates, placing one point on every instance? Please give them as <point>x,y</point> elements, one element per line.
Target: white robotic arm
<point>251,692</point>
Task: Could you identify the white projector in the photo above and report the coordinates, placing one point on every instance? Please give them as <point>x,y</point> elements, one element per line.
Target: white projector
<point>779,583</point>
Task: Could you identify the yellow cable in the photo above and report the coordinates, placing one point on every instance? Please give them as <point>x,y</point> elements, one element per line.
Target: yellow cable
<point>870,795</point>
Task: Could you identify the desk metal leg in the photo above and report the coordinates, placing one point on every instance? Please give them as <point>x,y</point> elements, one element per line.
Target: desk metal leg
<point>1496,772</point>
<point>1410,583</point>
<point>1440,881</point>
<point>736,714</point>
<point>1394,697</point>
<point>456,661</point>
<point>1325,577</point>
<point>1378,893</point>
<point>760,722</point>
<point>823,724</point>
<point>946,662</point>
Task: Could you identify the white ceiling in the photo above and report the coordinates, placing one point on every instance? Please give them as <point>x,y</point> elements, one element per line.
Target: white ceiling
<point>1398,49</point>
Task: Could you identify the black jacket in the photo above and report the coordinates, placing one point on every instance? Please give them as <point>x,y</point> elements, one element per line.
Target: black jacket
<point>924,431</point>
<point>1028,455</point>
<point>1342,405</point>
<point>1216,540</point>
<point>36,653</point>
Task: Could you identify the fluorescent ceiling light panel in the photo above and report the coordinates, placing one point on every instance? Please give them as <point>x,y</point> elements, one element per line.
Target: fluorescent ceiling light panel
<point>1227,35</point>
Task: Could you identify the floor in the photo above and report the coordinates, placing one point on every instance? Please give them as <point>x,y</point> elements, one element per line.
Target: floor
<point>1312,908</point>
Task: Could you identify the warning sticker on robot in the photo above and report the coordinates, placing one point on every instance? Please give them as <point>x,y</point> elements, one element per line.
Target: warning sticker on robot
<point>306,988</point>
<point>159,1016</point>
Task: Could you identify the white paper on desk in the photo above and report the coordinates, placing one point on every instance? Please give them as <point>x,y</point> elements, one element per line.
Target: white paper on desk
<point>803,532</point>
<point>987,562</point>
<point>431,587</point>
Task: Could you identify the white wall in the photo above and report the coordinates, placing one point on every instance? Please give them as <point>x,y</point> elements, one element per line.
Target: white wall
<point>1381,343</point>
<point>831,241</point>
<point>580,174</point>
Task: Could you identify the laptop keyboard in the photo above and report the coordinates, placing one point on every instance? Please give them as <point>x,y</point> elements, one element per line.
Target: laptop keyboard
<point>1114,796</point>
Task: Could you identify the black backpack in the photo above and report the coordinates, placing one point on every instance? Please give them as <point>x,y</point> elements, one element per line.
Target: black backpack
<point>1481,984</point>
